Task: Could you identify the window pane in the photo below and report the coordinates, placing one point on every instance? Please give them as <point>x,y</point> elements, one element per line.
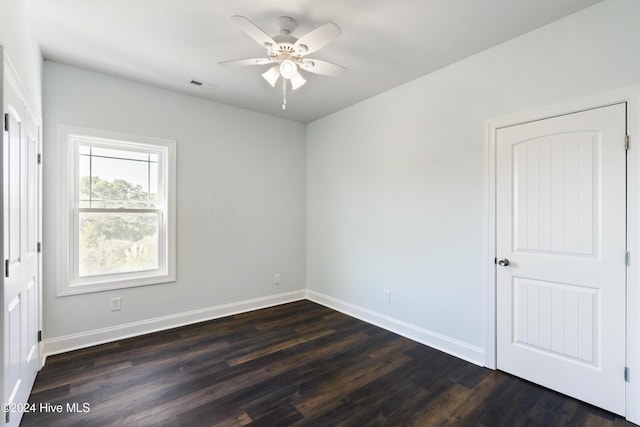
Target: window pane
<point>153,184</point>
<point>114,178</point>
<point>116,242</point>
<point>83,188</point>
<point>119,183</point>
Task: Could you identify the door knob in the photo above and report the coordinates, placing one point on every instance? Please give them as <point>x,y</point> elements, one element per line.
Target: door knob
<point>503,262</point>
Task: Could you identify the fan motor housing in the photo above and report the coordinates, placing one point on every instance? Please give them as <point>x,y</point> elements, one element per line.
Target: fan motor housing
<point>286,25</point>
<point>285,46</point>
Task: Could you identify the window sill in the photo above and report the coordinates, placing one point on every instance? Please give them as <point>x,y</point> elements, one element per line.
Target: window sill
<point>105,285</point>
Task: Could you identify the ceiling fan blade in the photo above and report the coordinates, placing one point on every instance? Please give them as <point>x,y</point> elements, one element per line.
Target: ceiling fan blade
<point>317,39</point>
<point>253,31</point>
<point>325,68</point>
<point>245,62</point>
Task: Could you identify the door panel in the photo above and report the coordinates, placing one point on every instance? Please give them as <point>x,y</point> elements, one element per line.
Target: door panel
<point>561,223</point>
<point>14,180</point>
<point>32,324</point>
<point>555,195</point>
<point>32,189</point>
<point>558,318</point>
<point>15,347</point>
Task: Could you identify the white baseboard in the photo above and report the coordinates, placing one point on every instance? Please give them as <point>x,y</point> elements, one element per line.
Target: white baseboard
<point>448,345</point>
<point>101,336</point>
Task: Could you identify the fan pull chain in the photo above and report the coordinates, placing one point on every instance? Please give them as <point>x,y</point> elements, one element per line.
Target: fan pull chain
<point>284,94</point>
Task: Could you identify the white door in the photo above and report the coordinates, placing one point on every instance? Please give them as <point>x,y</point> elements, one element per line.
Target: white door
<point>20,234</point>
<point>561,227</point>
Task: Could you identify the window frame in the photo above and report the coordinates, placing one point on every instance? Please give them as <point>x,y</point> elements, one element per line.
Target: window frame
<point>69,281</point>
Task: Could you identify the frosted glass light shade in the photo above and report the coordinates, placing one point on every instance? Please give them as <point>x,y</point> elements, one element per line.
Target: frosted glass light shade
<point>272,75</point>
<point>297,80</point>
<point>288,68</point>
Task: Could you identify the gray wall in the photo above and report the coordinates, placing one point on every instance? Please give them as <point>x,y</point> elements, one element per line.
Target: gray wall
<point>395,195</point>
<point>240,198</point>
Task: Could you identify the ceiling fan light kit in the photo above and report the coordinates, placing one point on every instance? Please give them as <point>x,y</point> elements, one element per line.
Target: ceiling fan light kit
<point>272,75</point>
<point>288,69</point>
<point>288,53</point>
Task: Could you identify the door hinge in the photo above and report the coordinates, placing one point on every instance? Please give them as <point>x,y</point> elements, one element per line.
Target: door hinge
<point>6,268</point>
<point>627,259</point>
<point>39,158</point>
<point>39,336</point>
<point>39,247</point>
<point>626,142</point>
<point>626,374</point>
<point>6,122</point>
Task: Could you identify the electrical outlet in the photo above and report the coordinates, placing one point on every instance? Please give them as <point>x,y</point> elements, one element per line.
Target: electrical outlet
<point>276,279</point>
<point>115,304</point>
<point>387,297</point>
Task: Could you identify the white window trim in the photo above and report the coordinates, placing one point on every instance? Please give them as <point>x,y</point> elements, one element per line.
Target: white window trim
<point>67,284</point>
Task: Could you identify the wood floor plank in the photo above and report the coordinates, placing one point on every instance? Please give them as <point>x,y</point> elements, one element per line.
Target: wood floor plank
<point>279,346</point>
<point>298,364</point>
<point>323,396</point>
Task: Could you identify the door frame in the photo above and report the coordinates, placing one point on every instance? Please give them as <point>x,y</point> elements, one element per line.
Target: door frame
<point>630,95</point>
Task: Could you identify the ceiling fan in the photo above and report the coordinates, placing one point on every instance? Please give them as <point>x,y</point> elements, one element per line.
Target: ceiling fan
<point>288,53</point>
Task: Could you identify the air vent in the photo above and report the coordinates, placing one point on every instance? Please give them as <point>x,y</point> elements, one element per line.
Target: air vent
<point>204,85</point>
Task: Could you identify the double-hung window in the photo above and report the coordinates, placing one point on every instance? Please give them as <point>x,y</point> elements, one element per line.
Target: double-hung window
<point>119,209</point>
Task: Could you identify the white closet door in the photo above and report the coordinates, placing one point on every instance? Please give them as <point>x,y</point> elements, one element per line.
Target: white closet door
<point>561,227</point>
<point>20,233</point>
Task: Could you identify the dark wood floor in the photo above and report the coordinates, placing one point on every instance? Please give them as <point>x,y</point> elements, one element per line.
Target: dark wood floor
<point>295,364</point>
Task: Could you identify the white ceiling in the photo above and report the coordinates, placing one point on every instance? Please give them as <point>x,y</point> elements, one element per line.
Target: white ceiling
<point>384,43</point>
